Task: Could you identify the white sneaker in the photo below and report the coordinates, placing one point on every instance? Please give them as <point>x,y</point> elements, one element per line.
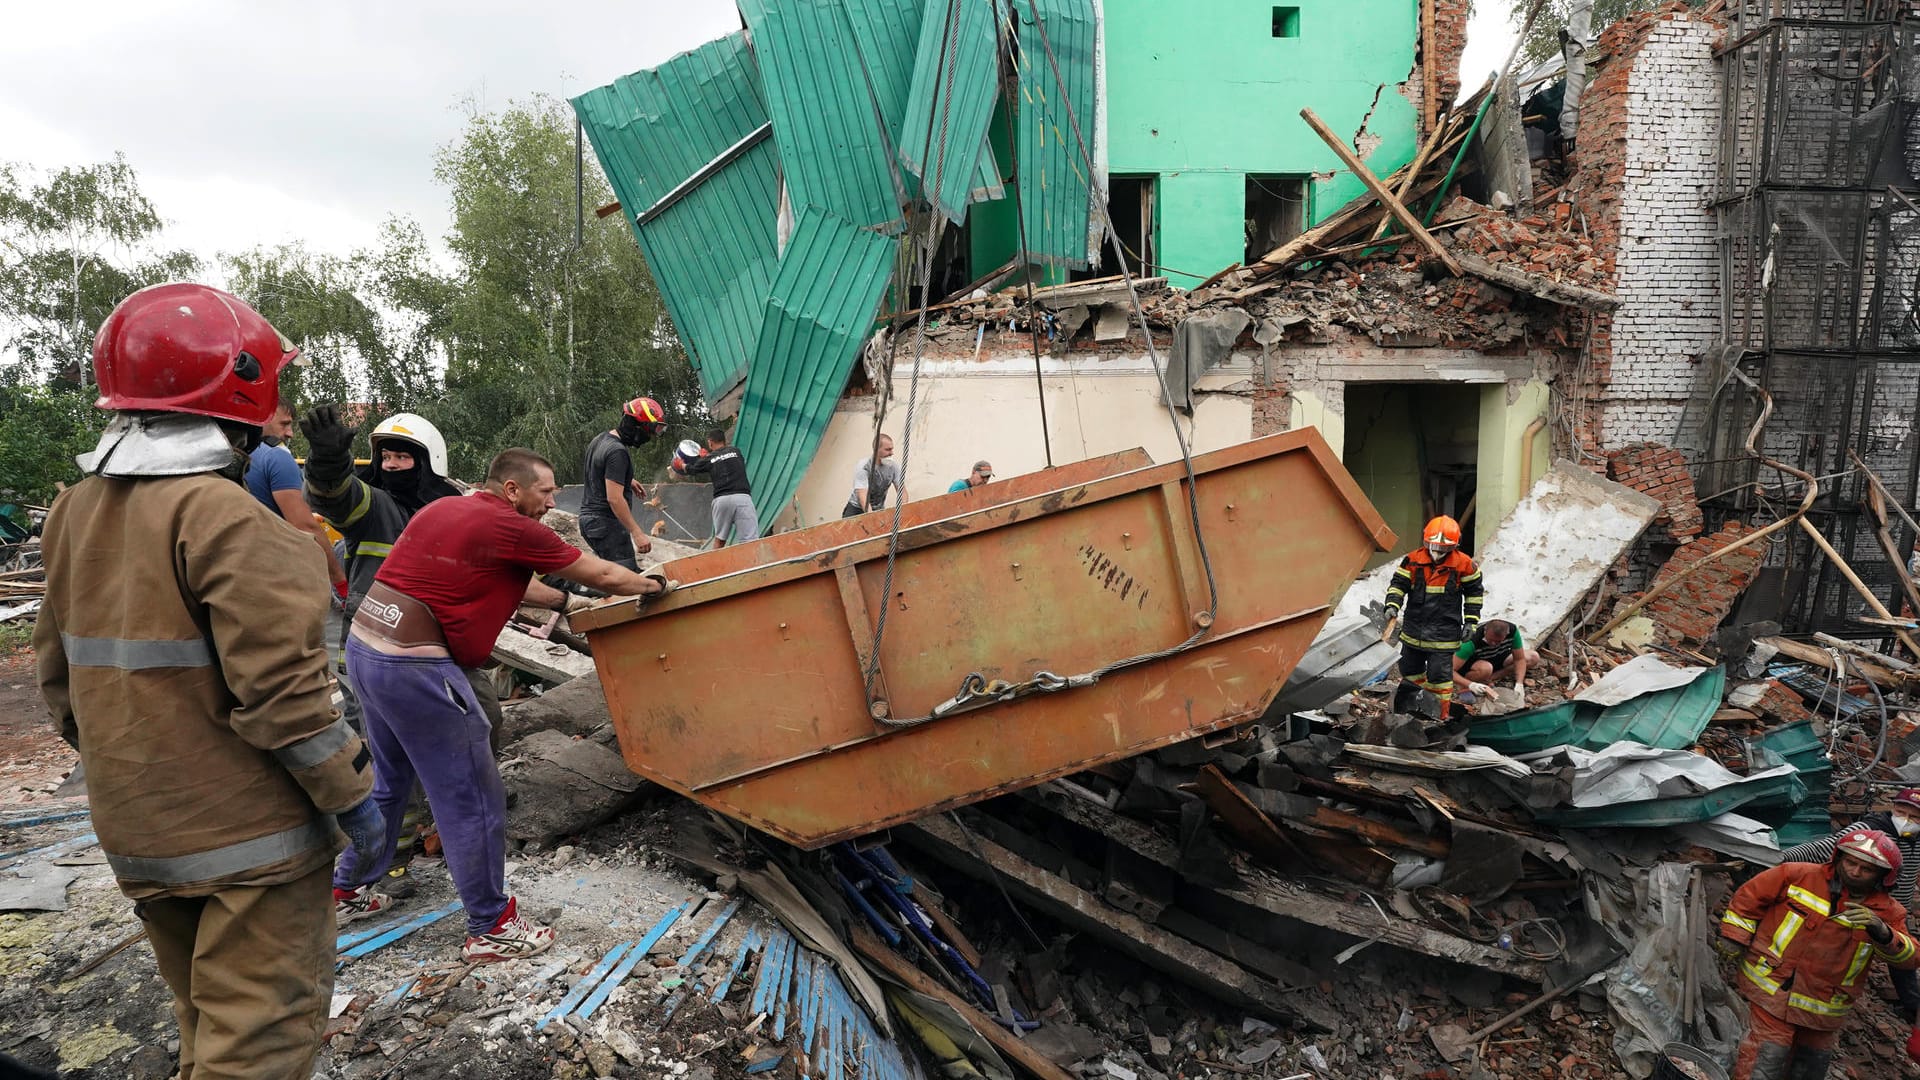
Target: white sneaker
<point>512,938</point>
<point>358,904</point>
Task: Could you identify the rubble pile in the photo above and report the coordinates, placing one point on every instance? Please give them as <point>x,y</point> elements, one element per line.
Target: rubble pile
<point>1550,245</point>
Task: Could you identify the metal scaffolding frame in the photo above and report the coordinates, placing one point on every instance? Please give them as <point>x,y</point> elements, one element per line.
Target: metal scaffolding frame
<point>1819,227</point>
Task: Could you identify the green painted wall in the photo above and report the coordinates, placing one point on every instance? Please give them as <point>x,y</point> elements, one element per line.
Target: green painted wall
<point>1202,95</point>
<point>1503,428</point>
<point>1383,455</point>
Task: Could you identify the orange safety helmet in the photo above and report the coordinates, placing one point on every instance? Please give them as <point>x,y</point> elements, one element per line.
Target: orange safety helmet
<point>648,412</point>
<point>187,348</point>
<point>1875,848</point>
<point>1442,531</point>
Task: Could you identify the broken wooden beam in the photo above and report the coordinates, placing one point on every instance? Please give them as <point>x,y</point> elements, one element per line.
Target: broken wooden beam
<point>1269,894</point>
<point>981,858</point>
<point>1394,205</point>
<point>1554,292</point>
<point>1313,813</point>
<point>916,980</point>
<point>1818,657</point>
<point>1284,848</point>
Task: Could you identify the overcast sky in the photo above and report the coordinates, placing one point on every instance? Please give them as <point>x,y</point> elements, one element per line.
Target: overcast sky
<point>256,123</point>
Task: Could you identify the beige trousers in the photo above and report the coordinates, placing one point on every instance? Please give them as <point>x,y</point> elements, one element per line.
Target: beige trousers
<point>251,970</point>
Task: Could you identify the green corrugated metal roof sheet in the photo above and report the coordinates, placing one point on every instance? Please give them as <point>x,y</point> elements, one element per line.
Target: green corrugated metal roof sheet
<point>1652,813</point>
<point>713,252</point>
<point>1671,719</point>
<point>831,279</point>
<point>826,115</point>
<point>889,33</point>
<point>1054,185</point>
<point>956,70</point>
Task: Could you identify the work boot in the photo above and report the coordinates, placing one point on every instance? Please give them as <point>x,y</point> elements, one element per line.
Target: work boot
<point>350,905</point>
<point>512,938</point>
<point>1810,1064</point>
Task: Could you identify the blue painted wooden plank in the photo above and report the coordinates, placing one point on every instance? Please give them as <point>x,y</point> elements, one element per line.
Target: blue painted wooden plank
<point>585,986</point>
<point>817,974</point>
<point>634,956</point>
<point>785,989</point>
<point>383,940</point>
<point>700,945</point>
<point>60,848</point>
<point>770,962</point>
<point>400,992</point>
<point>767,1065</point>
<point>366,933</point>
<point>43,819</point>
<point>747,945</point>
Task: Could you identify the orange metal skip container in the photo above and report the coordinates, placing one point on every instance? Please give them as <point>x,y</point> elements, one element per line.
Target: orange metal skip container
<point>745,690</point>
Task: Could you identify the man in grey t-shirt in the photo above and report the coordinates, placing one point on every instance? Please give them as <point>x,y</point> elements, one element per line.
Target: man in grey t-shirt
<point>873,479</point>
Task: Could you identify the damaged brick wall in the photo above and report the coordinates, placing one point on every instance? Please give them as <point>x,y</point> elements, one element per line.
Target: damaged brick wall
<point>1660,471</point>
<point>1694,609</point>
<point>1644,173</point>
<point>1449,40</point>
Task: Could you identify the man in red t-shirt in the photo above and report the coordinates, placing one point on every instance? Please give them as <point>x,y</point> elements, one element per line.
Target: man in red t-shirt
<point>453,580</point>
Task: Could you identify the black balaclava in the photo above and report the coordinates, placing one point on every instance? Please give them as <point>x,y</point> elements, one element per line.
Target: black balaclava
<point>632,432</point>
<point>244,437</point>
<point>410,489</point>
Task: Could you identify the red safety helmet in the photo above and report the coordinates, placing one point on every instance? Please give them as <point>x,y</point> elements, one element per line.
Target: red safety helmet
<point>1909,798</point>
<point>1874,847</point>
<point>1441,531</point>
<point>190,349</point>
<point>648,412</point>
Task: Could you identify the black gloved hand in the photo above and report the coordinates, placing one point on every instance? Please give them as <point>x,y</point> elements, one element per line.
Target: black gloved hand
<point>331,443</point>
<point>367,830</point>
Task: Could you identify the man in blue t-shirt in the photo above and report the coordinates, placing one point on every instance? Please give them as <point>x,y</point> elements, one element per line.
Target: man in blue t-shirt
<point>982,474</point>
<point>274,478</point>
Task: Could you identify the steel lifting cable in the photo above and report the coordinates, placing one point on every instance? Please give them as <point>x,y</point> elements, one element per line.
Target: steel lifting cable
<point>1004,40</point>
<point>975,689</point>
<point>943,97</point>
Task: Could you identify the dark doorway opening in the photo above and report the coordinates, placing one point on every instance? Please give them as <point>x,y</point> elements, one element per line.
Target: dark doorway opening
<point>1414,449</point>
<point>1130,203</point>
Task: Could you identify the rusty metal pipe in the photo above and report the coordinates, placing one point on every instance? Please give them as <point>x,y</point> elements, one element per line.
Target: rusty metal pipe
<point>1526,452</point>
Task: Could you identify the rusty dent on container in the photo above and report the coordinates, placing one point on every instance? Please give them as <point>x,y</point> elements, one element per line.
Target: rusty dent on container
<point>763,713</point>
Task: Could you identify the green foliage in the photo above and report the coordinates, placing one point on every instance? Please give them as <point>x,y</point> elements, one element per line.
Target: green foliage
<point>73,243</point>
<point>15,635</point>
<point>549,333</point>
<point>1543,41</point>
<point>42,427</point>
<point>541,334</point>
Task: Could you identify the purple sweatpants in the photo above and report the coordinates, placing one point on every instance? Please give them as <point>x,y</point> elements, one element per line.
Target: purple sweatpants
<point>423,721</point>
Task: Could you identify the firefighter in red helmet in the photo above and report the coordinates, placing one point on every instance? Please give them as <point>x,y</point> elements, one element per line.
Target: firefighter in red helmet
<point>220,776</point>
<point>1806,934</point>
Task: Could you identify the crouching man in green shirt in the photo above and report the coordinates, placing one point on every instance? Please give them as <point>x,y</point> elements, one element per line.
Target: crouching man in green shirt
<point>1493,652</point>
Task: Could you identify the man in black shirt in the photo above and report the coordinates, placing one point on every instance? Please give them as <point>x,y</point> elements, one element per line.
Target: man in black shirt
<point>606,521</point>
<point>733,510</point>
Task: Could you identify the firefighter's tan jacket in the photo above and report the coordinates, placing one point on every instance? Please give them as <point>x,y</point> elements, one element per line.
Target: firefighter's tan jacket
<point>180,651</point>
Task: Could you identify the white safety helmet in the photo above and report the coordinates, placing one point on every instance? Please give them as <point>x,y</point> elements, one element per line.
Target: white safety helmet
<point>414,429</point>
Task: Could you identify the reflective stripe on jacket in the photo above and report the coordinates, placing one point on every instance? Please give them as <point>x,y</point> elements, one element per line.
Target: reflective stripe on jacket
<point>1799,963</point>
<point>179,649</point>
<point>1441,601</point>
